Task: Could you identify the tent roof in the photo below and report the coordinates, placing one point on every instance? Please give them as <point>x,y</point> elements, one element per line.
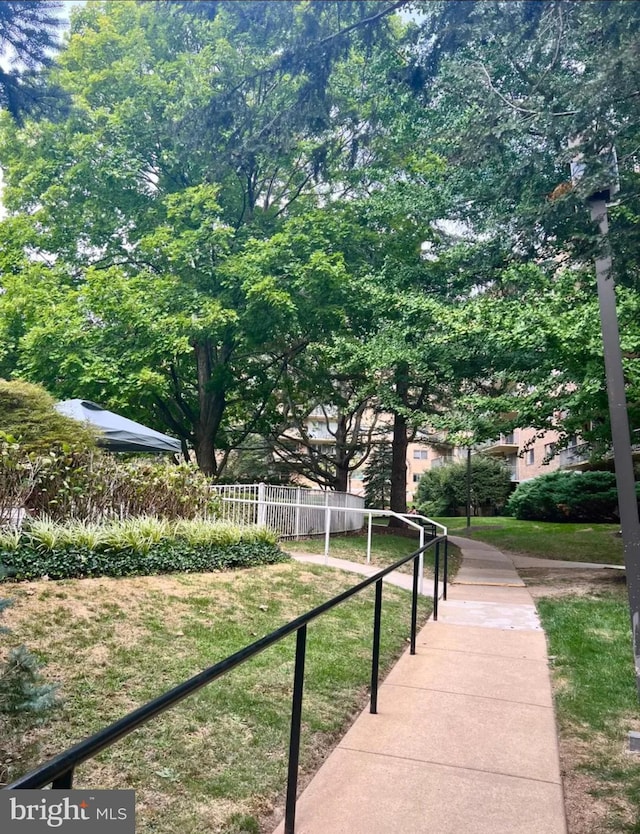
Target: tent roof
<point>118,434</point>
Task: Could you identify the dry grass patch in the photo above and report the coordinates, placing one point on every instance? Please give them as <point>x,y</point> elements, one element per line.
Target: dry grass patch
<point>217,761</point>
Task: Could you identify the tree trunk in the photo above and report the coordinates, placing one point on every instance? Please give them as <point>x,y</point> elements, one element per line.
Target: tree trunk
<point>399,447</point>
<point>398,502</point>
<point>211,402</point>
<point>342,457</point>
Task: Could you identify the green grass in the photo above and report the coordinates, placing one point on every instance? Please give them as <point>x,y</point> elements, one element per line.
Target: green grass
<point>596,699</point>
<point>546,540</point>
<point>217,761</point>
<point>385,550</point>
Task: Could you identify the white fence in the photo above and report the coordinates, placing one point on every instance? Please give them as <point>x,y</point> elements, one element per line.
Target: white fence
<point>293,511</point>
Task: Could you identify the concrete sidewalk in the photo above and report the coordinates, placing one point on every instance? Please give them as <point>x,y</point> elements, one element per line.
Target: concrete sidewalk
<point>401,580</point>
<point>464,741</point>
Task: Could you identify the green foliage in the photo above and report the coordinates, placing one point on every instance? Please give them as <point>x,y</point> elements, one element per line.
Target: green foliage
<point>377,478</point>
<point>92,485</point>
<point>28,35</point>
<point>567,496</point>
<point>27,415</point>
<point>22,689</point>
<point>18,476</point>
<point>189,264</point>
<point>135,547</point>
<point>443,491</point>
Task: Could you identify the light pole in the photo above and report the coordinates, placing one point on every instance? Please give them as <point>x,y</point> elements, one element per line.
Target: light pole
<point>468,487</point>
<point>620,434</point>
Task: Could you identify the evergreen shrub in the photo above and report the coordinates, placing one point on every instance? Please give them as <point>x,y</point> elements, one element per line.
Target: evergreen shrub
<point>22,687</point>
<point>567,496</point>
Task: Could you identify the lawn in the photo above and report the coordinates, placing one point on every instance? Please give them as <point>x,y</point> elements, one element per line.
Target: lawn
<point>597,705</point>
<point>547,540</point>
<point>386,548</point>
<point>217,761</point>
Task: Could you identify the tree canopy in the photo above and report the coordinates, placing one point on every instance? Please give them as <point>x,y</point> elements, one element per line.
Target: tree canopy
<point>250,210</point>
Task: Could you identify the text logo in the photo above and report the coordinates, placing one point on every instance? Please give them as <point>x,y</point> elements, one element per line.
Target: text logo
<point>38,812</point>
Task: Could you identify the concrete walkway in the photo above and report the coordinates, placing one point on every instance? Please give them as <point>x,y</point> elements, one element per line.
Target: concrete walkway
<point>401,580</point>
<point>464,741</point>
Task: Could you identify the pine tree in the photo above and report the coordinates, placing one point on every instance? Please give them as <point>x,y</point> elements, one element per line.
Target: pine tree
<point>28,36</point>
<point>21,685</point>
<point>377,479</point>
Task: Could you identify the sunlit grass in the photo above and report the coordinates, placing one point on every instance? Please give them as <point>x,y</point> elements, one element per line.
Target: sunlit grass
<point>547,540</point>
<point>596,698</point>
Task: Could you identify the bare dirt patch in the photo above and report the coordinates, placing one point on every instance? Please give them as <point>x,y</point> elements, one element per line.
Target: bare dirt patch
<point>555,582</point>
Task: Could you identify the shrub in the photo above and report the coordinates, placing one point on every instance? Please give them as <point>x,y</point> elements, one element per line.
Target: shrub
<point>18,476</point>
<point>140,546</point>
<point>22,689</point>
<point>443,491</point>
<point>28,415</point>
<point>92,485</point>
<point>567,496</point>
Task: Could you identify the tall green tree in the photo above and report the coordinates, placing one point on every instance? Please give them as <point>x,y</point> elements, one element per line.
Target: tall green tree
<point>171,215</point>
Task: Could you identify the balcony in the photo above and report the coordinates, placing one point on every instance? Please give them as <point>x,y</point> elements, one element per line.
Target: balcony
<point>444,460</point>
<point>574,457</point>
<point>503,445</point>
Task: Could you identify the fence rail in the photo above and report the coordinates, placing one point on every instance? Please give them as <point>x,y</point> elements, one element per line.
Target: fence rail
<point>59,771</point>
<point>294,512</point>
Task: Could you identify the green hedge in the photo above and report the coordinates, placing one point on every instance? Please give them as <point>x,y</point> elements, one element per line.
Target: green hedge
<point>567,496</point>
<point>127,549</point>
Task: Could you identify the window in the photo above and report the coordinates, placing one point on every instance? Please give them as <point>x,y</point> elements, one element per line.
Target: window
<point>420,454</point>
<point>529,457</point>
<point>416,478</point>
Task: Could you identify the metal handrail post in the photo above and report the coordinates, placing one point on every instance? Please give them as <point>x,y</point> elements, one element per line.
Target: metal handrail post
<point>421,567</point>
<point>64,781</point>
<point>375,660</point>
<point>445,576</point>
<point>294,738</point>
<point>369,531</point>
<point>414,605</point>
<point>436,571</point>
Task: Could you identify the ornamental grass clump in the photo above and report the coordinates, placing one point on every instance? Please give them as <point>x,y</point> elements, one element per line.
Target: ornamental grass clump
<point>137,546</point>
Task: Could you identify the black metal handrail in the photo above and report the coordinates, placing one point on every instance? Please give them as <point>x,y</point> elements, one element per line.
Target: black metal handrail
<point>58,771</point>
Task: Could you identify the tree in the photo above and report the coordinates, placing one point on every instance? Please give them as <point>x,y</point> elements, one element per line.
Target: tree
<point>443,491</point>
<point>520,95</point>
<point>29,34</point>
<point>377,478</point>
<point>172,214</point>
<point>509,96</point>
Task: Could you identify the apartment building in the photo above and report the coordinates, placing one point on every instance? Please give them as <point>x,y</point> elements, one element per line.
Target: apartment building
<point>525,451</point>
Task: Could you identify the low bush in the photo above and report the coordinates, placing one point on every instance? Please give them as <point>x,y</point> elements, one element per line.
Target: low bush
<point>28,415</point>
<point>91,485</point>
<point>22,687</point>
<point>135,547</point>
<point>567,496</point>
